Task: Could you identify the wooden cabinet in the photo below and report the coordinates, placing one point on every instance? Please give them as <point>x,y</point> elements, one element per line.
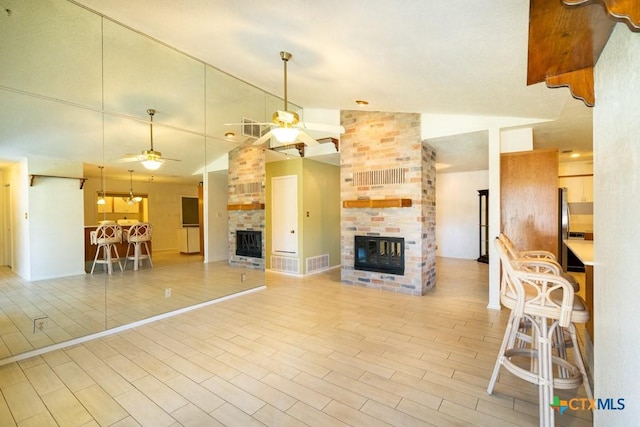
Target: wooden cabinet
<point>579,188</point>
<point>529,199</point>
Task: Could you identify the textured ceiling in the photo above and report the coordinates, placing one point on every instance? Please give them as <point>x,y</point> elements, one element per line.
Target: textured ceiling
<point>455,57</point>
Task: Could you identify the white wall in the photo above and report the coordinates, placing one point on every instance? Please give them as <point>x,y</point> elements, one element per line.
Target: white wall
<point>457,213</point>
<point>217,218</point>
<point>617,226</point>
<point>19,181</point>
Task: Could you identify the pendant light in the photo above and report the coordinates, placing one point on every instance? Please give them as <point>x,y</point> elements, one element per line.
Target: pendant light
<point>101,200</point>
<point>132,200</point>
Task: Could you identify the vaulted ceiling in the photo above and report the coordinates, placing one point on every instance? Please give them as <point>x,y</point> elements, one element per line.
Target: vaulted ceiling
<point>454,57</point>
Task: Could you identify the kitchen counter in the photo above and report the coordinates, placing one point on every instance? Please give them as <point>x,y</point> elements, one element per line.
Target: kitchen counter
<point>583,249</point>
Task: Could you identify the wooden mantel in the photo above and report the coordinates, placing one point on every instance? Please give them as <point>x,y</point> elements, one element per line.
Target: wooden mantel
<point>380,203</point>
<point>246,207</point>
<point>567,37</point>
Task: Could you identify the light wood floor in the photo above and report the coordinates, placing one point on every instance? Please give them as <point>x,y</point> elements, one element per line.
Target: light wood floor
<point>76,306</point>
<point>305,351</point>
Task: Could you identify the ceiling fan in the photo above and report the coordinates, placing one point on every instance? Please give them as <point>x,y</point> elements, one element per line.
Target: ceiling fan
<point>286,126</point>
<point>150,159</point>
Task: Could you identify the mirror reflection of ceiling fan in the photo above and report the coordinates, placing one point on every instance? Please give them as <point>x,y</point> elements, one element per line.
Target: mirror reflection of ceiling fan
<point>286,126</point>
<point>150,159</point>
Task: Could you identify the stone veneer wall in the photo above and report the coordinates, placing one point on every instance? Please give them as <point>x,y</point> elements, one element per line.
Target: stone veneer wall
<point>428,217</point>
<point>383,157</point>
<point>246,186</point>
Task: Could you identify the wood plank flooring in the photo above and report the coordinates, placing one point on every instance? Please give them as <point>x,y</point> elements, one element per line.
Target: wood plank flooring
<point>76,306</point>
<point>304,351</point>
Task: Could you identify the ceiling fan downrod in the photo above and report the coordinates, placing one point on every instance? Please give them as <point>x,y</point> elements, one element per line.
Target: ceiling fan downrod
<point>286,56</point>
<point>151,112</point>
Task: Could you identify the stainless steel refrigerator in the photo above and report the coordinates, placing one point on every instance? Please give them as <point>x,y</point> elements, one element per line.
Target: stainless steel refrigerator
<point>567,259</point>
<point>563,227</point>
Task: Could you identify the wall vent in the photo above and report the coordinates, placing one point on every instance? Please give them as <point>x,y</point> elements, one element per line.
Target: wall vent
<point>285,264</point>
<point>317,263</point>
<point>378,177</point>
<point>248,187</point>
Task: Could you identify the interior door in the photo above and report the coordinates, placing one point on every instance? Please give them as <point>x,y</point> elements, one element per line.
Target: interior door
<point>284,210</point>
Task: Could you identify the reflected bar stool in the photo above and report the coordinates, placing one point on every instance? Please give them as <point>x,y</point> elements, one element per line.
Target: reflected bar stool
<point>106,236</point>
<point>137,236</point>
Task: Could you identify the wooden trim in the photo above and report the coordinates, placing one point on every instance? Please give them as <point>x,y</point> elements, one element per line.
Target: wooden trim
<point>384,203</point>
<point>246,207</point>
<point>579,82</point>
<point>627,11</point>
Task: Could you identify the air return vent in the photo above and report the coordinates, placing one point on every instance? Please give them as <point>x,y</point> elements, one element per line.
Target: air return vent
<point>284,264</point>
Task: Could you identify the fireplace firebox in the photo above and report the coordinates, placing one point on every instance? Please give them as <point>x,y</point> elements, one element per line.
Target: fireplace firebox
<point>379,254</point>
<point>249,243</point>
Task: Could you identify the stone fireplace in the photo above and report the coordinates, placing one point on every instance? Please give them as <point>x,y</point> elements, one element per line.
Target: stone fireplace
<point>387,187</point>
<point>246,199</point>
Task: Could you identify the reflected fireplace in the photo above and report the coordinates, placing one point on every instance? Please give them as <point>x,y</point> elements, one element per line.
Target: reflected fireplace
<point>379,254</point>
<point>249,243</point>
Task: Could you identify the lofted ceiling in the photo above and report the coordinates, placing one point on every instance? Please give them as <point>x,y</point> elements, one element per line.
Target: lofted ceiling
<point>454,57</point>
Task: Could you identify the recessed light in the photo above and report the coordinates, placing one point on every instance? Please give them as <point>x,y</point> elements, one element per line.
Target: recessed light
<point>575,155</point>
<point>229,134</point>
<point>362,102</point>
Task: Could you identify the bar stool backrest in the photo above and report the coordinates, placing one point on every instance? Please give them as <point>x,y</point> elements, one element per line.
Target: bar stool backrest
<point>140,232</point>
<point>106,233</point>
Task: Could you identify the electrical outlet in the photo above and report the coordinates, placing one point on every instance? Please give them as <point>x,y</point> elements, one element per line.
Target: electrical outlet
<point>243,277</point>
<point>167,292</point>
<point>40,324</point>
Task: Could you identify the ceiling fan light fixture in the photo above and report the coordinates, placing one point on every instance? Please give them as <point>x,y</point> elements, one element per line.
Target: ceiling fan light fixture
<point>285,135</point>
<point>151,164</point>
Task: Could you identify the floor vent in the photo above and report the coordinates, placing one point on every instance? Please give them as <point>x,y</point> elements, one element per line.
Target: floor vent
<point>288,265</point>
<point>317,263</point>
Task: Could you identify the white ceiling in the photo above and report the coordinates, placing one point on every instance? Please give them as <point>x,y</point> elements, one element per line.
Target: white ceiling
<point>454,57</point>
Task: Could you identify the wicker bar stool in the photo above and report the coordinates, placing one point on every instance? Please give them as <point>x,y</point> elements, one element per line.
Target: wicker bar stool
<point>546,303</point>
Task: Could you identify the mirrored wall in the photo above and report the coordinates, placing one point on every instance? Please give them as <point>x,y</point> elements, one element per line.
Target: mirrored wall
<point>75,94</point>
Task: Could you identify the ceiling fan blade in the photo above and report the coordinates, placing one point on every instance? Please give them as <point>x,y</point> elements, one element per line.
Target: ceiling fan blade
<point>264,138</point>
<point>321,127</point>
<point>302,136</point>
<point>130,158</point>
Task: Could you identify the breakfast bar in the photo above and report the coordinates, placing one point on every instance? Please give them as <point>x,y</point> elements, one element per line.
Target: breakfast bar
<point>583,249</point>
